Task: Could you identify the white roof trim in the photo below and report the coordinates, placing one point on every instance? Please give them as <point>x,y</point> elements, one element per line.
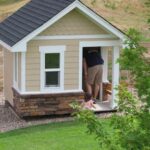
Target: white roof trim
<point>5,45</point>
<point>21,45</point>
<point>100,20</point>
<point>72,37</point>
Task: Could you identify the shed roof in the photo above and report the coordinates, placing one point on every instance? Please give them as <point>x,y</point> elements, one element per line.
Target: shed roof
<point>37,15</point>
<point>30,17</point>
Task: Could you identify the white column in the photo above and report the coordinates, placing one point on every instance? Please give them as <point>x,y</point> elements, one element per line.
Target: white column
<point>104,54</point>
<point>115,75</point>
<point>105,66</point>
<point>23,71</point>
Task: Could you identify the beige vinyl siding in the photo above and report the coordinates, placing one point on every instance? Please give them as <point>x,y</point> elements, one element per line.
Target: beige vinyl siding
<point>73,23</point>
<point>71,64</point>
<point>71,70</point>
<point>33,68</point>
<point>8,75</point>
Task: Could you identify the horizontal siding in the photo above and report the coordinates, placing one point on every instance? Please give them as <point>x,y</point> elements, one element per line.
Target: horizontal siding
<point>71,77</point>
<point>73,23</point>
<point>33,69</point>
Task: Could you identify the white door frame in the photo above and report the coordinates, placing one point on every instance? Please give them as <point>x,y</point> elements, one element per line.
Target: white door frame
<point>116,44</point>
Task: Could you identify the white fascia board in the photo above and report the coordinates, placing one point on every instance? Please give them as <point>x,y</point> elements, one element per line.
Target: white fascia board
<point>100,20</point>
<point>5,45</point>
<point>72,37</point>
<point>21,47</point>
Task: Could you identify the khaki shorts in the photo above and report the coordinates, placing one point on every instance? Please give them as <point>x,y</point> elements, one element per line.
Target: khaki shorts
<point>95,74</point>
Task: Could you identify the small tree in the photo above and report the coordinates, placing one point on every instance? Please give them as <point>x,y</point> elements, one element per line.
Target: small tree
<point>131,130</point>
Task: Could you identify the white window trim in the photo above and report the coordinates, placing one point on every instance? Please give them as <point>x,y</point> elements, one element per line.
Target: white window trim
<point>52,49</point>
<point>15,73</point>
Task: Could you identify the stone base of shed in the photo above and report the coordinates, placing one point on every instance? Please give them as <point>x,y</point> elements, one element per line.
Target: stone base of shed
<point>44,104</point>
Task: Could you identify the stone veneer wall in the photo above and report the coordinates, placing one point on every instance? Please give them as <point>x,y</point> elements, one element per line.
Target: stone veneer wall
<point>44,104</point>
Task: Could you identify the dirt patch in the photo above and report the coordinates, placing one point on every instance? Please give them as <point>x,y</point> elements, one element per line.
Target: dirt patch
<point>9,121</point>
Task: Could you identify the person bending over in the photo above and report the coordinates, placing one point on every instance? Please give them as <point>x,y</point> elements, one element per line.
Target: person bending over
<point>93,69</point>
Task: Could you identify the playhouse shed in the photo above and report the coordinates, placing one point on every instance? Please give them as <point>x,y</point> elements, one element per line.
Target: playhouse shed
<point>43,50</point>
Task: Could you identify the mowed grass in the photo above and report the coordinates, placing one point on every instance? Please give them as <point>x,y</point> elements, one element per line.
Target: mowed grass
<point>54,136</point>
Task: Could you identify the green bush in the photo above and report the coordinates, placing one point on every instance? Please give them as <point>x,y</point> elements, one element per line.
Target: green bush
<point>131,129</point>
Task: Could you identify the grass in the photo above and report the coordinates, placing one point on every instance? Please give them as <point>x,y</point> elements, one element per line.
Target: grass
<point>5,2</point>
<point>54,136</point>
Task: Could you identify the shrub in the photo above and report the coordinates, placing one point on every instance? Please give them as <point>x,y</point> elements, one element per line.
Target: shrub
<point>131,129</point>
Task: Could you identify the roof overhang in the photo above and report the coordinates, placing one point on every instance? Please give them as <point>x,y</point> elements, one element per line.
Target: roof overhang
<point>21,46</point>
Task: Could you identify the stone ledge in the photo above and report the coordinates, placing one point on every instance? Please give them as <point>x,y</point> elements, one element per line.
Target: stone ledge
<point>45,104</point>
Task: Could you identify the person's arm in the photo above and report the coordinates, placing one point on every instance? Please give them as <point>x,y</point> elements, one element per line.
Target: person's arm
<point>85,68</point>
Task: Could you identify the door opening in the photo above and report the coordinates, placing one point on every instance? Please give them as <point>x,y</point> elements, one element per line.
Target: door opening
<point>91,74</point>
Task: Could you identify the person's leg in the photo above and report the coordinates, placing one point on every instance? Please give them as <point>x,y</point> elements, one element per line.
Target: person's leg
<point>96,90</point>
<point>90,80</point>
<point>88,88</point>
<point>98,81</point>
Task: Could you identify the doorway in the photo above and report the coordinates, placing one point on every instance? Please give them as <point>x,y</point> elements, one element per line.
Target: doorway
<point>88,53</point>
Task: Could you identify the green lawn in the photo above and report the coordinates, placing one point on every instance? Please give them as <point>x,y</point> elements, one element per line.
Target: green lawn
<point>54,136</point>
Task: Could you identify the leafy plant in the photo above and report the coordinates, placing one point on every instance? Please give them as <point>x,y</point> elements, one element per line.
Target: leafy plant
<point>130,129</point>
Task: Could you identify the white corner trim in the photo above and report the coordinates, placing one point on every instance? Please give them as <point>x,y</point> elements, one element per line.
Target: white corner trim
<point>52,49</point>
<point>80,65</point>
<point>15,68</point>
<point>23,72</point>
<point>72,37</point>
<point>21,45</point>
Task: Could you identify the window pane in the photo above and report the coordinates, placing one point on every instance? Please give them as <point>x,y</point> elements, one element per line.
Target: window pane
<point>52,60</point>
<point>52,79</point>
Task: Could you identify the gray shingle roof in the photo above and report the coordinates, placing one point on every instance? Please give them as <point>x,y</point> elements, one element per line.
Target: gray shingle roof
<point>30,17</point>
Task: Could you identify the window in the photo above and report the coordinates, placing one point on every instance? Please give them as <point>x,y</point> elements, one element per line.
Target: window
<point>52,70</point>
<point>52,67</point>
